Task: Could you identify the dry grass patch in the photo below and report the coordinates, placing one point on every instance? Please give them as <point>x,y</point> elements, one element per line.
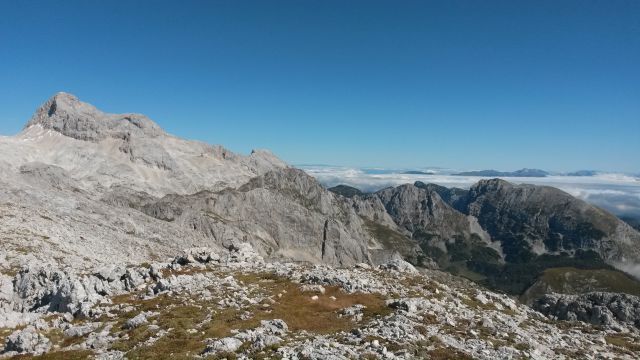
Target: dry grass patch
<point>623,342</point>
<point>448,353</point>
<point>301,312</point>
<point>59,355</point>
<point>185,270</point>
<point>179,315</point>
<point>4,333</point>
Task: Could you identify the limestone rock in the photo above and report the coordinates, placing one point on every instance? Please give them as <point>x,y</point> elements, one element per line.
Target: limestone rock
<point>597,308</point>
<point>27,340</point>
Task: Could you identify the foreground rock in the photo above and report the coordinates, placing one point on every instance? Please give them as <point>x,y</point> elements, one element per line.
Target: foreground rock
<point>598,308</point>
<point>231,303</point>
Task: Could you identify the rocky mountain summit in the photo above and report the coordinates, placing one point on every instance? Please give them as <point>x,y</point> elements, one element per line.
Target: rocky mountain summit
<point>88,187</point>
<point>95,207</point>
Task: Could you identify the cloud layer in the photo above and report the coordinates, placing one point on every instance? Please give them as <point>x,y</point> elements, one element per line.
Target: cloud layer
<point>617,193</point>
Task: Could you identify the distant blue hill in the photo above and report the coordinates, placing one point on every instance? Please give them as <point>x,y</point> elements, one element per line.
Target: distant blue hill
<point>417,172</point>
<point>583,173</point>
<point>496,173</point>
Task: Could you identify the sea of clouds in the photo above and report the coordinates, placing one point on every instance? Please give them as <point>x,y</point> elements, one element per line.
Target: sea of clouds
<point>617,193</point>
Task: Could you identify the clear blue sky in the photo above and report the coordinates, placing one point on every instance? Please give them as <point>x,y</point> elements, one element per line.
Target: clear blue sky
<point>465,84</point>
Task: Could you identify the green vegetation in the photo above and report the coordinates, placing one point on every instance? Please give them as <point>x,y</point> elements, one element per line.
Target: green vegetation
<point>346,191</point>
<point>516,278</point>
<point>460,253</point>
<point>570,280</point>
<point>392,239</point>
<point>473,259</point>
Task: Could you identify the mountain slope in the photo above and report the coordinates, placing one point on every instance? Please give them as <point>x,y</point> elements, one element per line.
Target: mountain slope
<point>100,150</point>
<point>90,187</point>
<point>534,220</point>
<point>506,235</point>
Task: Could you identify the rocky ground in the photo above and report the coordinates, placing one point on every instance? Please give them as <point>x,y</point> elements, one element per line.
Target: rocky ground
<point>232,304</point>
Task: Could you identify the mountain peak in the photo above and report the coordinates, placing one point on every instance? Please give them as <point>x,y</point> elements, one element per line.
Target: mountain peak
<point>66,114</point>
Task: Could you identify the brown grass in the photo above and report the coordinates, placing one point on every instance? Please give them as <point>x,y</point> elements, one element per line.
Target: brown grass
<point>300,312</point>
<point>623,342</point>
<point>448,354</point>
<point>59,355</point>
<point>296,308</point>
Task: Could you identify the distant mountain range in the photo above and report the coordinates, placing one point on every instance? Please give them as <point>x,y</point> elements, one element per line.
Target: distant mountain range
<point>583,173</point>
<point>417,172</point>
<point>496,173</point>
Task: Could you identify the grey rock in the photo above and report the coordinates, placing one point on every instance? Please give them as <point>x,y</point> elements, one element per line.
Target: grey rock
<point>597,308</point>
<point>411,305</point>
<point>399,265</point>
<point>228,344</point>
<point>27,340</point>
<point>550,220</point>
<point>81,330</point>
<point>136,321</point>
<point>71,117</point>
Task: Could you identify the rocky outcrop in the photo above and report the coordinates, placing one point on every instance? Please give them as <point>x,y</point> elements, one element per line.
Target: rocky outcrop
<point>598,308</point>
<point>47,288</point>
<point>455,197</point>
<point>423,227</point>
<point>267,334</point>
<point>71,117</point>
<point>285,214</point>
<point>27,341</point>
<point>424,214</point>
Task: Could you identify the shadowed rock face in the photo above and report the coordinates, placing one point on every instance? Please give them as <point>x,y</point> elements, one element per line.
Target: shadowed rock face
<point>346,191</point>
<point>424,214</point>
<point>417,214</point>
<point>453,196</point>
<point>284,214</point>
<point>533,220</point>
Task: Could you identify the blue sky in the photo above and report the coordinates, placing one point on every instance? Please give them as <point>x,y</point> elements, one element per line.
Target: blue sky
<point>464,84</point>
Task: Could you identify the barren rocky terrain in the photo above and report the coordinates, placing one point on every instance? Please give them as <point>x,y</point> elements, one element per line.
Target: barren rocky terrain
<point>119,240</point>
<point>232,304</point>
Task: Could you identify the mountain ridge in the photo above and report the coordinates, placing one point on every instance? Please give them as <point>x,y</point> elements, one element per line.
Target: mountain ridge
<point>495,173</point>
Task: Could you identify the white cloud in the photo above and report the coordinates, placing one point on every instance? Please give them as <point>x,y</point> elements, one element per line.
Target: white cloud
<point>618,193</point>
